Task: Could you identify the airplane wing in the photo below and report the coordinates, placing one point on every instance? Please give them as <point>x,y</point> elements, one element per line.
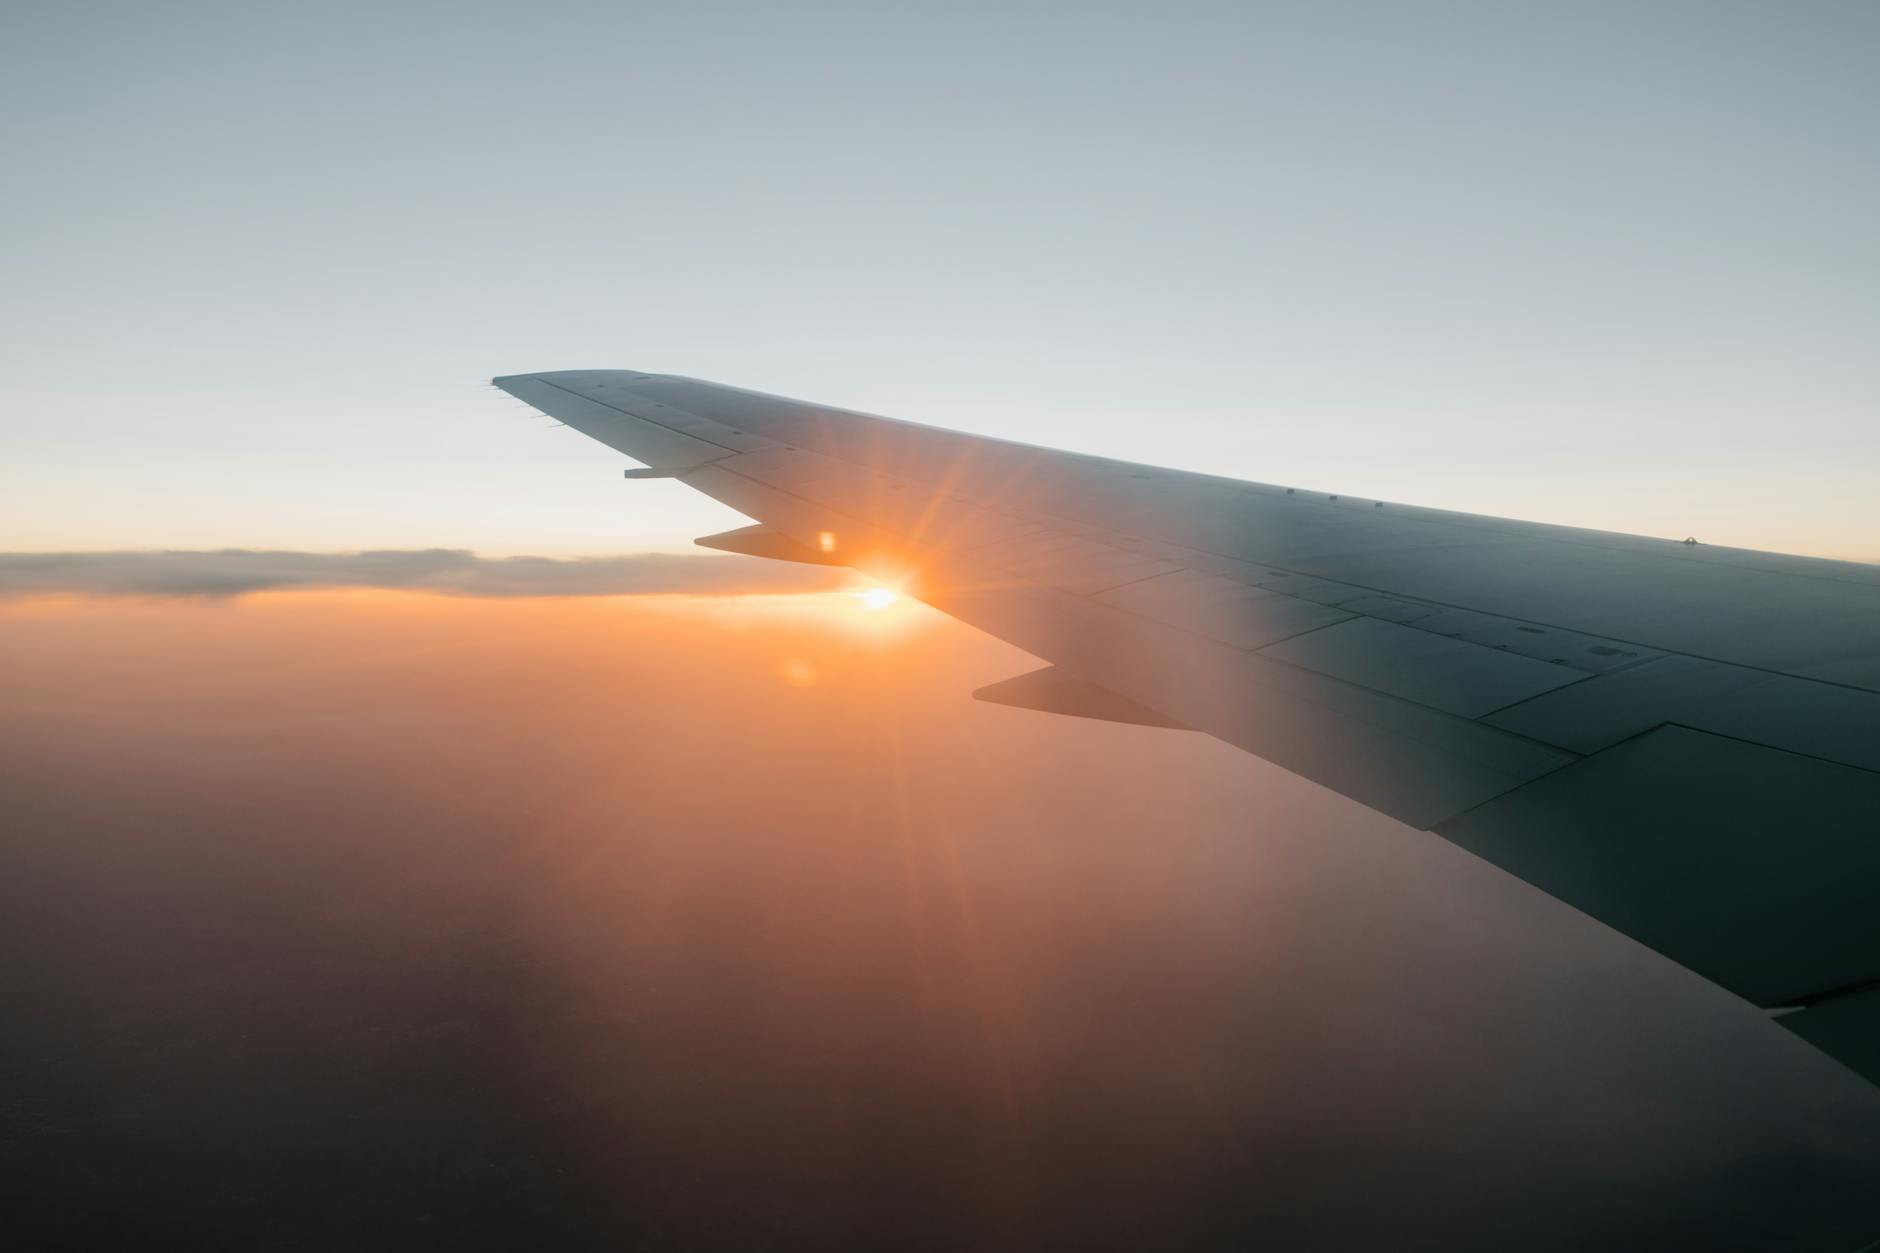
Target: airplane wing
<point>1682,741</point>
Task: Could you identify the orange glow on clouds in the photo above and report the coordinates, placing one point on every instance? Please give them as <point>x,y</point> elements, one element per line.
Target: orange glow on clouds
<point>705,893</point>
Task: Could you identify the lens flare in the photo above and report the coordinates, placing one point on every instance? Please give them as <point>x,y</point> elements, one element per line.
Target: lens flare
<point>877,598</point>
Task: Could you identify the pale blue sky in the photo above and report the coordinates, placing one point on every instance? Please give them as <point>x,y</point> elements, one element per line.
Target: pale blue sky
<point>1611,264</point>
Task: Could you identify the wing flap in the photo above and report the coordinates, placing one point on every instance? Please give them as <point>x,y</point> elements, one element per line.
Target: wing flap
<point>1222,609</point>
<point>1447,674</point>
<point>1413,763</point>
<point>1755,867</point>
<point>1814,719</point>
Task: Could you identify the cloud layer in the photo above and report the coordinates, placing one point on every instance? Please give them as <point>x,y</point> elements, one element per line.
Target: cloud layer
<point>337,904</point>
<point>237,571</point>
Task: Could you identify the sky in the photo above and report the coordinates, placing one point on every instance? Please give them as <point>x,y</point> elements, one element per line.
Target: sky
<point>378,919</point>
<point>1597,263</point>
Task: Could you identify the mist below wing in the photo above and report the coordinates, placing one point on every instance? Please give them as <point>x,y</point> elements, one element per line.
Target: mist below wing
<point>1682,741</point>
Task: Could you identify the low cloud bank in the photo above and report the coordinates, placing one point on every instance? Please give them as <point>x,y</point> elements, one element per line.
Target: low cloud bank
<point>237,571</point>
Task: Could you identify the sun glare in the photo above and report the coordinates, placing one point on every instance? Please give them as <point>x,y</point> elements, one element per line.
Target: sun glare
<point>878,597</point>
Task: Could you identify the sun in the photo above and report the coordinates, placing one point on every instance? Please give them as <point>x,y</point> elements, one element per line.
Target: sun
<point>877,598</point>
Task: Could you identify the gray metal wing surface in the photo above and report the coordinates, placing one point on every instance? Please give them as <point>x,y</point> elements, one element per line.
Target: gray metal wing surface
<point>1681,740</point>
